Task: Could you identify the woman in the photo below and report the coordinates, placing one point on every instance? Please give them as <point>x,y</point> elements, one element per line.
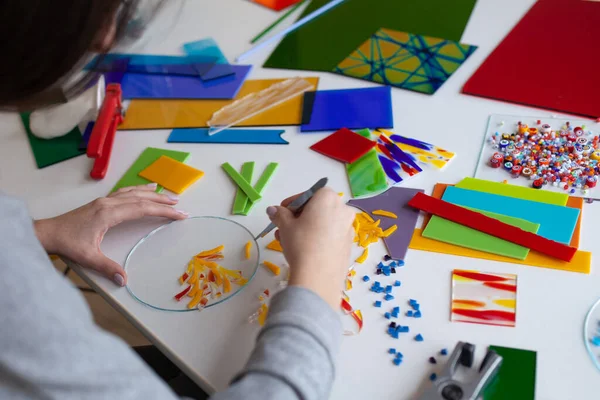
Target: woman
<point>49,345</point>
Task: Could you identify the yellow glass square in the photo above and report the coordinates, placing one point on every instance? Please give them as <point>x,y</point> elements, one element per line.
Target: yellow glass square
<point>173,175</point>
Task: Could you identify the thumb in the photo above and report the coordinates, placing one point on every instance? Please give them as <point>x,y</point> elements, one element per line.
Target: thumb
<point>280,216</point>
<point>109,269</point>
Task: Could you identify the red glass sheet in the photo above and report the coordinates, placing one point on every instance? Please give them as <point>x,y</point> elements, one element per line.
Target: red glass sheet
<point>344,145</point>
<point>549,60</point>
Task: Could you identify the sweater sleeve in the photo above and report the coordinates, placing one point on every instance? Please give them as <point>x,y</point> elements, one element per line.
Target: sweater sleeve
<point>295,352</point>
<point>50,347</point>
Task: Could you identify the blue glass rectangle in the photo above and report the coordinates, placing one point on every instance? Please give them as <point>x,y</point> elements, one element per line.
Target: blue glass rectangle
<point>149,59</point>
<point>556,222</point>
<point>144,86</point>
<point>349,108</point>
<point>240,136</point>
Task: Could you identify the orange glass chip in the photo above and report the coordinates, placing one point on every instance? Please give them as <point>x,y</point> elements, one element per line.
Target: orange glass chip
<point>276,270</point>
<point>275,246</point>
<point>247,249</point>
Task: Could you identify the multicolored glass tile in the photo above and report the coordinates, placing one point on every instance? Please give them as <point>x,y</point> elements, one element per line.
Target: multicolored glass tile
<point>422,152</point>
<point>484,298</point>
<point>414,62</point>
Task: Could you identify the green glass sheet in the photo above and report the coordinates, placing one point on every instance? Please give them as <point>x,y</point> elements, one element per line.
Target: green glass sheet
<point>323,43</point>
<point>516,378</point>
<point>517,192</point>
<point>366,175</point>
<point>52,151</point>
<point>450,232</point>
<point>147,158</point>
<point>241,200</point>
<point>261,184</point>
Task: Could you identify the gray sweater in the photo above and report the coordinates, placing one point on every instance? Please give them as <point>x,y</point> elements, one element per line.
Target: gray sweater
<point>50,347</point>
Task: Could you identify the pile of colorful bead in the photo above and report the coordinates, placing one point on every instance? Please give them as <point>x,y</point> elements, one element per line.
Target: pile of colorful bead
<point>566,158</point>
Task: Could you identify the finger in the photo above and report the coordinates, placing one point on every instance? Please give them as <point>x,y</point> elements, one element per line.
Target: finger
<point>108,268</point>
<point>277,235</point>
<point>151,187</point>
<point>148,195</point>
<point>132,209</point>
<point>280,216</point>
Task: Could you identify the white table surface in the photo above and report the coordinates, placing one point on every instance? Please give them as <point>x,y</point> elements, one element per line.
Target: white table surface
<point>212,345</point>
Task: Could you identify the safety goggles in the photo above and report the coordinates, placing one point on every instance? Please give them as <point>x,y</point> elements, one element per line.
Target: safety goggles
<point>132,21</point>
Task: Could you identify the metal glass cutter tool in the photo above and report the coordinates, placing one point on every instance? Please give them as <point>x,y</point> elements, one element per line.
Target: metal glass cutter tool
<point>445,387</point>
<point>297,205</point>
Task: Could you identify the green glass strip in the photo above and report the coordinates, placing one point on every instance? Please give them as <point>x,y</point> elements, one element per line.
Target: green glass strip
<point>252,194</point>
<point>262,183</point>
<point>274,24</point>
<point>241,200</point>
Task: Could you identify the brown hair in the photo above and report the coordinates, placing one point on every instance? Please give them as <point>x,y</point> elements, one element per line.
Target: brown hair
<point>42,40</point>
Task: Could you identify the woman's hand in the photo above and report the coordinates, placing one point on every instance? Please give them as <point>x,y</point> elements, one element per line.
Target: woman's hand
<point>77,234</point>
<point>317,243</point>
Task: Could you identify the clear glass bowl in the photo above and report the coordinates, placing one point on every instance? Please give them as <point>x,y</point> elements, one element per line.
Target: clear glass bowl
<point>156,262</point>
<point>591,332</point>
